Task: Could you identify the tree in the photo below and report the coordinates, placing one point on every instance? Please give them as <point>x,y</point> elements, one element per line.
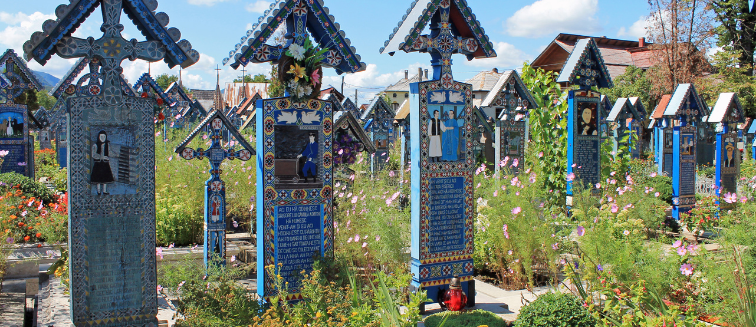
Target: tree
<point>682,32</point>
<point>45,100</point>
<point>634,82</point>
<point>737,28</point>
<point>259,78</point>
<point>275,87</point>
<point>165,80</point>
<point>730,77</point>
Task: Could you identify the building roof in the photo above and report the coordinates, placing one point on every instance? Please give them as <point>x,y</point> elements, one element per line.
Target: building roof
<point>234,93</point>
<point>617,54</point>
<point>727,109</point>
<point>205,97</point>
<point>345,120</point>
<point>485,80</point>
<point>403,85</point>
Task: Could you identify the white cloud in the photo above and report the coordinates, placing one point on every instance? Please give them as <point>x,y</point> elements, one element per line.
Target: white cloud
<point>208,3</point>
<point>637,30</point>
<point>20,28</point>
<point>508,56</point>
<point>545,17</point>
<point>258,7</point>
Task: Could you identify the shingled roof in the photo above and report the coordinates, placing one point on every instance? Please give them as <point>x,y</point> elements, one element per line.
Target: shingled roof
<point>617,54</point>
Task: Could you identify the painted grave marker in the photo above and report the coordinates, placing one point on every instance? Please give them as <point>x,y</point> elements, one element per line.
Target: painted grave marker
<point>626,121</point>
<point>729,113</point>
<point>379,119</point>
<point>215,188</point>
<point>510,100</point>
<point>295,139</point>
<point>442,160</point>
<point>584,68</point>
<point>112,160</point>
<point>687,107</point>
<point>15,79</point>
<point>639,144</point>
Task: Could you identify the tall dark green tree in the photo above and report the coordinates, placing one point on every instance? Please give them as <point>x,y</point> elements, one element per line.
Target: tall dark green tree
<point>737,29</point>
<point>165,80</point>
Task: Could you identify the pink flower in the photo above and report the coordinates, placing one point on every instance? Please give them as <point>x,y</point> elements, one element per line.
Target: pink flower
<point>677,244</point>
<point>233,258</point>
<point>656,194</point>
<point>626,232</point>
<point>744,199</point>
<point>570,177</point>
<point>159,252</point>
<point>159,288</point>
<point>354,199</point>
<point>496,193</point>
<point>509,252</point>
<point>580,230</point>
<point>515,162</point>
<point>513,182</point>
<point>686,269</point>
<point>555,246</point>
<point>731,197</point>
<point>540,154</point>
<point>349,240</point>
<point>598,185</point>
<point>652,175</point>
<point>315,77</point>
<point>682,251</point>
<point>364,244</point>
<point>693,249</point>
<point>236,225</point>
<point>614,208</point>
<point>506,232</point>
<point>357,238</point>
<point>377,238</point>
<point>516,210</point>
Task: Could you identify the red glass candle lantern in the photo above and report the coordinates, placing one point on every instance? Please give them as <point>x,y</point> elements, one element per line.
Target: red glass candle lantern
<point>455,299</point>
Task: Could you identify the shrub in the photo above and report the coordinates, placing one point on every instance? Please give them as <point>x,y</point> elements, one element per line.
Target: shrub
<point>462,319</point>
<point>27,185</point>
<point>555,309</point>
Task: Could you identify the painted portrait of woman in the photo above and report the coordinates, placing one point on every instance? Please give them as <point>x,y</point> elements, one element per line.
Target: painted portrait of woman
<point>101,175</point>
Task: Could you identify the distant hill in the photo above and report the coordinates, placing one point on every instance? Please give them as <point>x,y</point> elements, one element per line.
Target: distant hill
<point>48,81</point>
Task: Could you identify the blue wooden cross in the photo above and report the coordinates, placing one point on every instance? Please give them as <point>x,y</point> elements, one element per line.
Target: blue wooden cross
<point>215,188</point>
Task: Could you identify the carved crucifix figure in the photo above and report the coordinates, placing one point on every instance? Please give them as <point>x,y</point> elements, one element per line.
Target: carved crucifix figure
<point>442,43</point>
<point>111,49</point>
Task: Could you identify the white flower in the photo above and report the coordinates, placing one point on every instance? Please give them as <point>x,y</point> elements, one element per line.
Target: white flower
<point>297,51</point>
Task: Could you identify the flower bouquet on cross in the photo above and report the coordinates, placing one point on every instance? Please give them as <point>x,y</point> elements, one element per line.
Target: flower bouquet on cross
<point>301,70</point>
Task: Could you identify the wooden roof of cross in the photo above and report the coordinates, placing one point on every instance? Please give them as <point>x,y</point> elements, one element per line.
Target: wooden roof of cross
<point>203,125</point>
<point>301,17</point>
<point>111,49</point>
<point>454,29</point>
<point>585,67</point>
<point>11,84</point>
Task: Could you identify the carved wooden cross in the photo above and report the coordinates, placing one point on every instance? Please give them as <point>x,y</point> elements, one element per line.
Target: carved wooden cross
<point>215,188</point>
<point>442,43</point>
<point>112,49</point>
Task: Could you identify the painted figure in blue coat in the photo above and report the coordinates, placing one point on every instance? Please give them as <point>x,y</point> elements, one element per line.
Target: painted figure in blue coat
<point>310,152</point>
<point>450,138</point>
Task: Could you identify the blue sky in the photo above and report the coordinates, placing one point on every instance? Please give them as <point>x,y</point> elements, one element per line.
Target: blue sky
<point>519,29</point>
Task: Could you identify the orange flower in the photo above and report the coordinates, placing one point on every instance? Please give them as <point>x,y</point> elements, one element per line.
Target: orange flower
<point>20,224</point>
<point>27,238</point>
<point>20,206</point>
<point>39,235</point>
<point>39,245</point>
<point>23,196</point>
<point>12,217</point>
<point>37,224</point>
<point>30,227</point>
<point>7,230</point>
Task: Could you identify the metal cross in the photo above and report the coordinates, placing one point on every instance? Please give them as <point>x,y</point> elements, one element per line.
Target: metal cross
<point>215,190</point>
<point>111,49</point>
<point>442,43</point>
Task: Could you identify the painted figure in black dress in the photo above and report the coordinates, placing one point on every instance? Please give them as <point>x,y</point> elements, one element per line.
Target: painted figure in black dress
<point>102,175</point>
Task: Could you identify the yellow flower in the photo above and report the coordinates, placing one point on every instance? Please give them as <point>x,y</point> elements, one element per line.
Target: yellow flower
<point>297,71</point>
<point>317,315</point>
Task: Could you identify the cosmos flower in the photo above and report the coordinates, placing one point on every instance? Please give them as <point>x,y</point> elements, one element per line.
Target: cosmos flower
<point>580,230</point>
<point>516,210</point>
<point>686,269</point>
